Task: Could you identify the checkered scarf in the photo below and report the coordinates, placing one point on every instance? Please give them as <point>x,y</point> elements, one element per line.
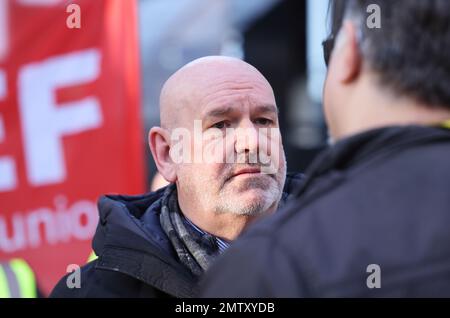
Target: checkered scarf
<point>194,250</point>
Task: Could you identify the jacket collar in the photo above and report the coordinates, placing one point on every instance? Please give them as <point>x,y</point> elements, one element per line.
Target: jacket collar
<point>353,151</point>
<point>125,244</point>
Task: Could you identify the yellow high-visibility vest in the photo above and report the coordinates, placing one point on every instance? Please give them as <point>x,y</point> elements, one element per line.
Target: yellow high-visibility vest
<point>92,257</point>
<point>17,280</point>
<point>446,124</point>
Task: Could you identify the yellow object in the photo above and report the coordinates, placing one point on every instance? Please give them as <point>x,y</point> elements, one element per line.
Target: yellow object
<point>4,290</point>
<point>92,257</point>
<point>17,280</point>
<point>446,124</point>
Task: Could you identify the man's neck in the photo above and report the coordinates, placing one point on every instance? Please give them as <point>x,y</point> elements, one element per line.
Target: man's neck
<point>375,108</point>
<point>224,225</point>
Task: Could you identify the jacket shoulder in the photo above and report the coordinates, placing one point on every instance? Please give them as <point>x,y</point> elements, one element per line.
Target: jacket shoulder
<point>73,285</point>
<point>100,283</point>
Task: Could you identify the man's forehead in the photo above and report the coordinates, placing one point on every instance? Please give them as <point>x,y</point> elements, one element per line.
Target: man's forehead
<point>223,91</point>
<point>185,94</point>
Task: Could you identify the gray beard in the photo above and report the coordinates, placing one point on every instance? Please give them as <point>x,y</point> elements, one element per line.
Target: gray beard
<point>272,194</point>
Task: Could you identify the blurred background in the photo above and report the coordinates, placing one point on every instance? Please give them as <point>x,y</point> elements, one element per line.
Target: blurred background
<point>79,90</point>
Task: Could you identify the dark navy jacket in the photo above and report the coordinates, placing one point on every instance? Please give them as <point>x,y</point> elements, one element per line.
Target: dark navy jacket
<point>136,258</point>
<point>382,198</point>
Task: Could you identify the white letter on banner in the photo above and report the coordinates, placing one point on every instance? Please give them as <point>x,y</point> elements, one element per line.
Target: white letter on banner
<point>44,123</point>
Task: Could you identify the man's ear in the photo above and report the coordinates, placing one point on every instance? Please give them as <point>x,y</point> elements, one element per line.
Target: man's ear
<point>347,57</point>
<point>159,142</point>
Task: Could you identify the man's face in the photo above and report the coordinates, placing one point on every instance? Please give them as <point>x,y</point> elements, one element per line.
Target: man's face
<point>346,84</point>
<point>331,96</point>
<point>237,163</point>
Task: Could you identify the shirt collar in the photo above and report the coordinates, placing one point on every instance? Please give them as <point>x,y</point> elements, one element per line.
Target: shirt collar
<point>221,243</point>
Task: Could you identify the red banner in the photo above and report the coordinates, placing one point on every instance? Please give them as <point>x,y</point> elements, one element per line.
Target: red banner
<point>70,125</point>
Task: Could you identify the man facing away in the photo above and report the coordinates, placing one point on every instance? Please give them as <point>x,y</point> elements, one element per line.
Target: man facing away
<point>219,147</point>
<point>372,217</point>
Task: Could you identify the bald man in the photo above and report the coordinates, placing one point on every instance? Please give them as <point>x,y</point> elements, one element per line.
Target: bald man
<point>220,149</point>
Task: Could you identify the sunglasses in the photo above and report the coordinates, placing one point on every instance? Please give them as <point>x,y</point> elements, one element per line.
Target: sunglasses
<point>328,46</point>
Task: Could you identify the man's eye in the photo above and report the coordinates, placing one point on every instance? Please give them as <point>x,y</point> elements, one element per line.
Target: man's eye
<point>220,125</point>
<point>264,121</point>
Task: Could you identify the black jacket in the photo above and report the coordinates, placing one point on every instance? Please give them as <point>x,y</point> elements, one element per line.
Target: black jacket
<point>382,197</point>
<point>136,258</point>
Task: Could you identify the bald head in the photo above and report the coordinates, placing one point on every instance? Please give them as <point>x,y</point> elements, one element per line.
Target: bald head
<point>186,92</point>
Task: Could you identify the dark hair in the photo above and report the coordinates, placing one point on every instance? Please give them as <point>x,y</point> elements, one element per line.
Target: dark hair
<point>411,50</point>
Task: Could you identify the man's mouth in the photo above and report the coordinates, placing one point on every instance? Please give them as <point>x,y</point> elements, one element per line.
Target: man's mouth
<point>246,171</point>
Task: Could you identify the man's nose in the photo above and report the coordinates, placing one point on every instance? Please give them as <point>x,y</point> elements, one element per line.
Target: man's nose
<point>246,138</point>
